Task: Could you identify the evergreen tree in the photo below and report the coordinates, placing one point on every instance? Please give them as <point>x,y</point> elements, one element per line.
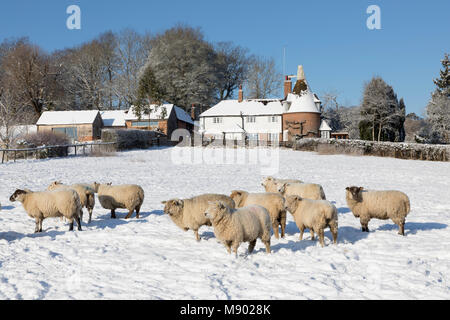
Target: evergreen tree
<point>443,83</point>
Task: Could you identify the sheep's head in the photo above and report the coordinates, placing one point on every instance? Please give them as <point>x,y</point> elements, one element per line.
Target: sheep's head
<point>237,196</point>
<point>266,181</point>
<point>18,195</point>
<point>95,186</point>
<point>354,193</point>
<point>216,210</point>
<point>282,189</point>
<point>54,184</point>
<point>174,207</point>
<point>291,203</point>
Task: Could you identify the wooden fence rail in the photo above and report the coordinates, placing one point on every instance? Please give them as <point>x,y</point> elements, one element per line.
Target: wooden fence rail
<point>60,150</point>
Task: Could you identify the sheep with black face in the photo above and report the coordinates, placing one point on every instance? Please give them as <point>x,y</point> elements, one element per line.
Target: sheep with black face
<point>372,204</point>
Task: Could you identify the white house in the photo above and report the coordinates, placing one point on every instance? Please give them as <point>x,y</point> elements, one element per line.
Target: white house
<point>259,119</point>
<point>297,114</point>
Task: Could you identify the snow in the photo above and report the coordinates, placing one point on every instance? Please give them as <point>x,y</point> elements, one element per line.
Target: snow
<point>324,126</point>
<point>247,107</point>
<point>67,117</point>
<point>151,258</point>
<point>156,113</point>
<point>113,118</point>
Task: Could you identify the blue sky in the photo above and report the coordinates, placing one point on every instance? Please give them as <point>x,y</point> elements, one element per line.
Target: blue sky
<point>329,38</point>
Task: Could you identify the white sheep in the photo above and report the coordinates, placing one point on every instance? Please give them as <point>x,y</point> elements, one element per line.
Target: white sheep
<point>273,202</point>
<point>189,214</point>
<point>48,204</point>
<point>368,204</point>
<point>234,226</point>
<point>86,194</point>
<point>125,196</point>
<point>310,191</point>
<point>272,184</point>
<point>314,215</point>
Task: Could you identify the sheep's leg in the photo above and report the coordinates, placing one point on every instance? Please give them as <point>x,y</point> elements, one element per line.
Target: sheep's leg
<point>251,246</point>
<point>283,223</point>
<point>130,212</point>
<point>113,213</point>
<point>235,247</point>
<point>401,227</point>
<point>302,229</point>
<point>228,246</point>
<point>40,224</point>
<point>36,228</point>
<point>90,214</point>
<point>334,233</point>
<point>267,244</point>
<point>138,209</point>
<point>71,225</point>
<point>312,234</point>
<point>275,229</point>
<point>78,223</point>
<point>81,214</point>
<point>364,224</point>
<point>197,237</point>
<point>321,237</point>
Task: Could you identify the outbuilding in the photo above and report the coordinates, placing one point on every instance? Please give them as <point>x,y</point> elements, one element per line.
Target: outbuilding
<point>82,125</point>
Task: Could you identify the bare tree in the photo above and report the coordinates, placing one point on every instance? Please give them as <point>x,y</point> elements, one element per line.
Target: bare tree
<point>233,65</point>
<point>132,51</point>
<point>263,80</point>
<point>29,72</point>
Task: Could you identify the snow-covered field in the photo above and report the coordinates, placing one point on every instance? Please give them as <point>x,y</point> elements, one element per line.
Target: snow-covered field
<point>150,258</point>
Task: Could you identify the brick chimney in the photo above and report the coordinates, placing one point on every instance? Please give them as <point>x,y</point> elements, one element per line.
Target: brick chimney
<point>241,94</point>
<point>193,112</point>
<point>287,86</point>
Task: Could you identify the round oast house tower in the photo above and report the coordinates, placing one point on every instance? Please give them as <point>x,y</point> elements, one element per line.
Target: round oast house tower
<point>301,110</point>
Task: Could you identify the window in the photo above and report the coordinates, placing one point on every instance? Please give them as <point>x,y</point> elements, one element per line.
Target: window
<point>273,119</point>
<point>217,120</point>
<point>274,136</point>
<point>145,123</point>
<point>251,119</point>
<point>252,136</point>
<point>70,132</point>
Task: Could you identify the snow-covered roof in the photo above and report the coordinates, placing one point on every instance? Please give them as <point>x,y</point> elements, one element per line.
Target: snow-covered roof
<point>113,118</point>
<point>324,126</point>
<point>302,103</point>
<point>67,117</point>
<point>251,107</point>
<point>157,113</point>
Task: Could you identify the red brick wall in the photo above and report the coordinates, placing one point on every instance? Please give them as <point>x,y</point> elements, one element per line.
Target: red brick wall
<point>312,123</point>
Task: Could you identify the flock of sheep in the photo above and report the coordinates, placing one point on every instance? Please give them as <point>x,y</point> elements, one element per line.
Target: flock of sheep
<point>240,217</point>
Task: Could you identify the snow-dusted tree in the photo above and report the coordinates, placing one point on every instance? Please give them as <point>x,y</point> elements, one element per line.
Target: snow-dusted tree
<point>438,109</point>
<point>184,64</point>
<point>443,82</point>
<point>132,50</point>
<point>381,111</point>
<point>438,115</point>
<point>340,118</point>
<point>232,68</point>
<point>263,80</point>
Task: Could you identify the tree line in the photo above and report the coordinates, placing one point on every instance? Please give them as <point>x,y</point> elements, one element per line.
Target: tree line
<point>119,69</point>
<point>381,116</point>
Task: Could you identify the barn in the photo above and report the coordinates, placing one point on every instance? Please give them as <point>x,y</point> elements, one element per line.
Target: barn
<point>165,118</point>
<point>85,125</point>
